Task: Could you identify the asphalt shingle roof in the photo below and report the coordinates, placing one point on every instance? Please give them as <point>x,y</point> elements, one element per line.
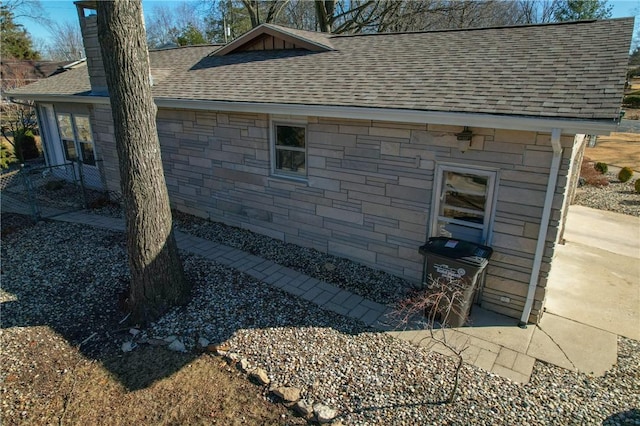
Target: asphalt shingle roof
<point>571,70</point>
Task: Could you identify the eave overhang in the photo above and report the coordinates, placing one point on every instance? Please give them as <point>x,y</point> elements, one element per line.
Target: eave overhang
<point>497,121</point>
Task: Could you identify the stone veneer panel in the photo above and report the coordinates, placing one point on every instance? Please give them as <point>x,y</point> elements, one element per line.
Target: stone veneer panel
<point>368,192</point>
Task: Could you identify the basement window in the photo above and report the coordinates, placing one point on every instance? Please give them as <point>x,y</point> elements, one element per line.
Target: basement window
<point>289,150</point>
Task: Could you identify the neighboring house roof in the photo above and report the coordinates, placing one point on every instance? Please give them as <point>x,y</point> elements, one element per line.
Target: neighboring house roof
<point>16,73</point>
<point>570,70</point>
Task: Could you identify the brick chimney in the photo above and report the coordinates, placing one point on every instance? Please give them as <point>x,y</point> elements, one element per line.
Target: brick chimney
<point>89,27</point>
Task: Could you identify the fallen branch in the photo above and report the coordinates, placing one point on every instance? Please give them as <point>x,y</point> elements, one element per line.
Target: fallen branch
<point>125,318</point>
<point>87,339</point>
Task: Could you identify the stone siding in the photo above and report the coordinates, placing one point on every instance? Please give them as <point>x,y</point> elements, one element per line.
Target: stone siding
<point>369,188</point>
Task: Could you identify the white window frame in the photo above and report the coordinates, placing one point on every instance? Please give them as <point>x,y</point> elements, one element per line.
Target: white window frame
<point>76,139</point>
<point>489,209</point>
<point>272,141</point>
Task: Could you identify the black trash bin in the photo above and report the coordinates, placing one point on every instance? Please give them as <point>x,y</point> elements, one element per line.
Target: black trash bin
<point>455,265</point>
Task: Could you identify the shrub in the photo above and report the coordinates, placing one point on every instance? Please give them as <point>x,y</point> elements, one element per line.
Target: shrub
<point>637,185</point>
<point>602,167</point>
<point>25,145</point>
<point>631,101</point>
<point>625,174</point>
<point>6,156</point>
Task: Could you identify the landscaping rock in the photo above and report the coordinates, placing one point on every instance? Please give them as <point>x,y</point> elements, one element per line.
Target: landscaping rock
<point>177,346</point>
<point>244,365</point>
<point>287,393</point>
<point>128,346</point>
<point>323,413</point>
<point>304,407</point>
<point>203,343</point>
<point>260,376</point>
<point>220,350</point>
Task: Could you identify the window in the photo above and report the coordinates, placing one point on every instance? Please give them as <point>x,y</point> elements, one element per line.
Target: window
<point>464,202</point>
<point>77,139</point>
<point>66,134</point>
<point>85,139</point>
<point>290,150</point>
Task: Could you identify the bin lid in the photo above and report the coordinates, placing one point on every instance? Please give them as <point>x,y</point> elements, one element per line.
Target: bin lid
<point>457,249</point>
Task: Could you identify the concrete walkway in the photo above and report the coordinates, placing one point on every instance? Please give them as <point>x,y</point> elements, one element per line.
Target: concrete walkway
<point>494,343</point>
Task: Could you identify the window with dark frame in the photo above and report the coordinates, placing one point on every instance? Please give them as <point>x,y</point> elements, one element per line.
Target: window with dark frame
<point>290,150</point>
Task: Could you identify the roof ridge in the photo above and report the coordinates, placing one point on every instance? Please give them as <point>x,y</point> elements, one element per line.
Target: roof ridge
<point>497,27</point>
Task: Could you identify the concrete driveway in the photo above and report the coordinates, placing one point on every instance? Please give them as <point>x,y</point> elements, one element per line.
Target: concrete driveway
<point>593,295</point>
<point>595,277</point>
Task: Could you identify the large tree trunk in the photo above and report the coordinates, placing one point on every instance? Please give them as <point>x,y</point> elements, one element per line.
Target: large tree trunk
<point>157,277</point>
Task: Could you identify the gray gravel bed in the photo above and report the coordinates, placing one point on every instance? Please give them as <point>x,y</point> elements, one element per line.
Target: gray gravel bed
<point>616,197</point>
<point>368,376</point>
<point>370,283</point>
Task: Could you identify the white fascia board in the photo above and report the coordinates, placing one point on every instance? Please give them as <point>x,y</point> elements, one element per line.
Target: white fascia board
<point>492,121</point>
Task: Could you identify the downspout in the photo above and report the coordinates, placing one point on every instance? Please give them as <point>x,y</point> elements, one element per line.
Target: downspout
<point>544,226</point>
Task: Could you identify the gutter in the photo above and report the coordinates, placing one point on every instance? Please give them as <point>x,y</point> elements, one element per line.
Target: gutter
<point>510,122</point>
<point>13,101</point>
<point>544,226</point>
<point>483,120</point>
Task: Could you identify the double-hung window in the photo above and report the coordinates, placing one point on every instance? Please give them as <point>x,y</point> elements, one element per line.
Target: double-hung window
<point>77,139</point>
<point>463,203</point>
<point>289,150</point>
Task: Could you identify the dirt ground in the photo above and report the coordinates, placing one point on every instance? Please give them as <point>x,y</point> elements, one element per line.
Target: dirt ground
<point>618,149</point>
<point>47,379</point>
<point>164,387</point>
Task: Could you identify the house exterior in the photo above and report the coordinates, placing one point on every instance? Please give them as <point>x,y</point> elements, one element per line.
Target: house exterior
<point>364,146</point>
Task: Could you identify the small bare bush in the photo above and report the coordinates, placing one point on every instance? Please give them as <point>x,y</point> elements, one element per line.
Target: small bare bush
<point>440,304</point>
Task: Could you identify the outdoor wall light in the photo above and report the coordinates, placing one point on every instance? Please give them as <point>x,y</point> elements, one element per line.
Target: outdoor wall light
<point>464,139</point>
<point>465,135</point>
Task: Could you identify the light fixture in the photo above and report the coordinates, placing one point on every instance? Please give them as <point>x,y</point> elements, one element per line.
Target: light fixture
<point>465,135</point>
<point>464,139</point>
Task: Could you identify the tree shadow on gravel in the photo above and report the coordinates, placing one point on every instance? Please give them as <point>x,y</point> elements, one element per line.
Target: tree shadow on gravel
<point>629,417</point>
<point>71,277</point>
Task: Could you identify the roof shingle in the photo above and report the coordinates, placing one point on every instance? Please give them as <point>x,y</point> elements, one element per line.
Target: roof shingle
<point>571,70</point>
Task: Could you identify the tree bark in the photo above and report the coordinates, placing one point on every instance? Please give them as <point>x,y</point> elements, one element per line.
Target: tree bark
<point>157,277</point>
<point>324,14</point>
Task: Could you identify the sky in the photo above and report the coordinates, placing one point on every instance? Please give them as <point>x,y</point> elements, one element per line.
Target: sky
<point>62,11</point>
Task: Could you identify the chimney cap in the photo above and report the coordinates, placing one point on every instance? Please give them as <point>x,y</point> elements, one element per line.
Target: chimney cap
<point>87,4</point>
